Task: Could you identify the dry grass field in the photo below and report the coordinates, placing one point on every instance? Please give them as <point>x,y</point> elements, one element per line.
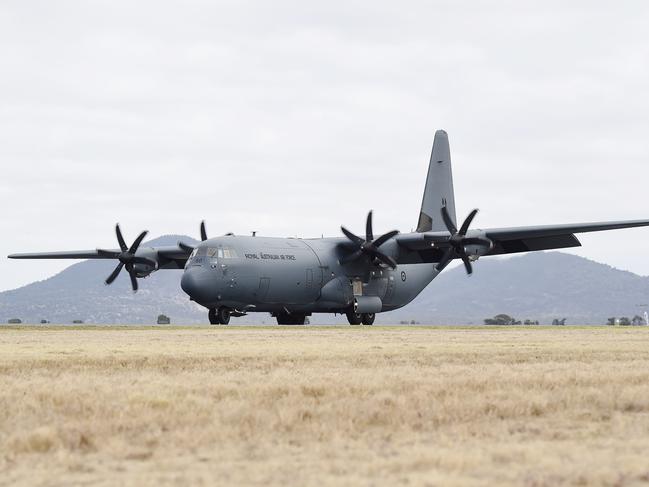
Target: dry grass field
<point>324,405</point>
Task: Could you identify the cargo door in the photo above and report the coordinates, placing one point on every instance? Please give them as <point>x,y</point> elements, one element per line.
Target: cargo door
<point>390,290</point>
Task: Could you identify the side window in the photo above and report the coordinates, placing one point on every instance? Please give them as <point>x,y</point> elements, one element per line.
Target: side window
<point>191,257</point>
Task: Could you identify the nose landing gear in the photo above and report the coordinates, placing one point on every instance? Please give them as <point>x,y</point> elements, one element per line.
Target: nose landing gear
<point>219,316</point>
<point>358,318</point>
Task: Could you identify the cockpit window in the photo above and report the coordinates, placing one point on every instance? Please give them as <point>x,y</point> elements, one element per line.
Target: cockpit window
<point>229,253</point>
<point>199,255</point>
<point>226,253</point>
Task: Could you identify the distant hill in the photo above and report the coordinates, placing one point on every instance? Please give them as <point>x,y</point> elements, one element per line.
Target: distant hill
<point>539,286</point>
<point>79,292</point>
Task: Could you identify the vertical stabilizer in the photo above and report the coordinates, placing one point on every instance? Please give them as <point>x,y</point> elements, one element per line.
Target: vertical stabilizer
<point>439,187</point>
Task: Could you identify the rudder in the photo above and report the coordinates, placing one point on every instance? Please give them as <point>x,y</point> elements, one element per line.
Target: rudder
<point>439,187</point>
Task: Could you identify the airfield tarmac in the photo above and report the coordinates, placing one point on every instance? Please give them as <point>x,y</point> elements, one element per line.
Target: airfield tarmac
<point>324,405</point>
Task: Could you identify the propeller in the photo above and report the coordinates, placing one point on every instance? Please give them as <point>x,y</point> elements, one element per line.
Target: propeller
<point>369,246</point>
<point>186,247</point>
<point>126,257</point>
<point>190,248</point>
<point>458,241</point>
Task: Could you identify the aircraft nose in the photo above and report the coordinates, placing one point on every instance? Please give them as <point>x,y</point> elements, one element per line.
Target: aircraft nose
<point>195,283</point>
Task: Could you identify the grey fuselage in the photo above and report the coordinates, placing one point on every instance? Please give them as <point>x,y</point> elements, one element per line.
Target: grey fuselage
<point>263,274</point>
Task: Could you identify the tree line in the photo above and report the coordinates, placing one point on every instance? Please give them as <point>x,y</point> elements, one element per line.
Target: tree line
<point>506,320</point>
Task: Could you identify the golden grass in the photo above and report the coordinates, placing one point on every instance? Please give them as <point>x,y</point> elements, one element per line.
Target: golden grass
<point>315,405</point>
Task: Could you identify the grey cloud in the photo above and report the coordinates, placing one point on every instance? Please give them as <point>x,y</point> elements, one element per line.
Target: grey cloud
<point>294,117</point>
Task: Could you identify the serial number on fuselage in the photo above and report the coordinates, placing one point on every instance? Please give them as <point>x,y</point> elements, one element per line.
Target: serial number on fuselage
<point>264,256</point>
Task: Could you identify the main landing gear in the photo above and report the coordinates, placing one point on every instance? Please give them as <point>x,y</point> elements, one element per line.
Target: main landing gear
<point>358,318</point>
<point>219,316</point>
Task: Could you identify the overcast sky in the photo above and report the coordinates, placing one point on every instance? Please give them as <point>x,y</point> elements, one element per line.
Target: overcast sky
<point>294,117</point>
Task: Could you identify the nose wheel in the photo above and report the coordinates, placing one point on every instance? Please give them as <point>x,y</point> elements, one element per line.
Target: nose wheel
<point>358,318</point>
<point>219,316</point>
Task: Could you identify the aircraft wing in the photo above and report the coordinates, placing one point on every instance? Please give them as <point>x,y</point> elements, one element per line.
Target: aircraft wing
<point>513,239</point>
<point>545,237</point>
<point>72,254</point>
<point>166,257</point>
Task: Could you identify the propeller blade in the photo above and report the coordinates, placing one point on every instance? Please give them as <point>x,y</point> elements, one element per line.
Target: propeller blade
<point>386,259</point>
<point>452,229</point>
<point>137,242</point>
<point>467,222</point>
<point>351,257</point>
<point>203,231</point>
<point>114,274</point>
<point>369,235</point>
<point>120,238</point>
<point>357,240</point>
<point>187,248</point>
<point>108,254</point>
<point>134,285</point>
<point>467,264</point>
<point>444,261</point>
<point>385,237</point>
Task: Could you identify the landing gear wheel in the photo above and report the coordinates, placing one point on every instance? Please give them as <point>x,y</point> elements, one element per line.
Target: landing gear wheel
<point>354,318</point>
<point>213,317</point>
<point>368,318</point>
<point>223,315</point>
<point>290,319</point>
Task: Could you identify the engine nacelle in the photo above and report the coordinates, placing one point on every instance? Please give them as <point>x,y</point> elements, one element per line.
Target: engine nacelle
<point>145,270</point>
<point>477,250</point>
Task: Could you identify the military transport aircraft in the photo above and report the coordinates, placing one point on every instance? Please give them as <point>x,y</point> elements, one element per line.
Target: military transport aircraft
<point>291,278</point>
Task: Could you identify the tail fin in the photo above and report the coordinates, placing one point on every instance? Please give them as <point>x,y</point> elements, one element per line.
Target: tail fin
<point>439,187</point>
